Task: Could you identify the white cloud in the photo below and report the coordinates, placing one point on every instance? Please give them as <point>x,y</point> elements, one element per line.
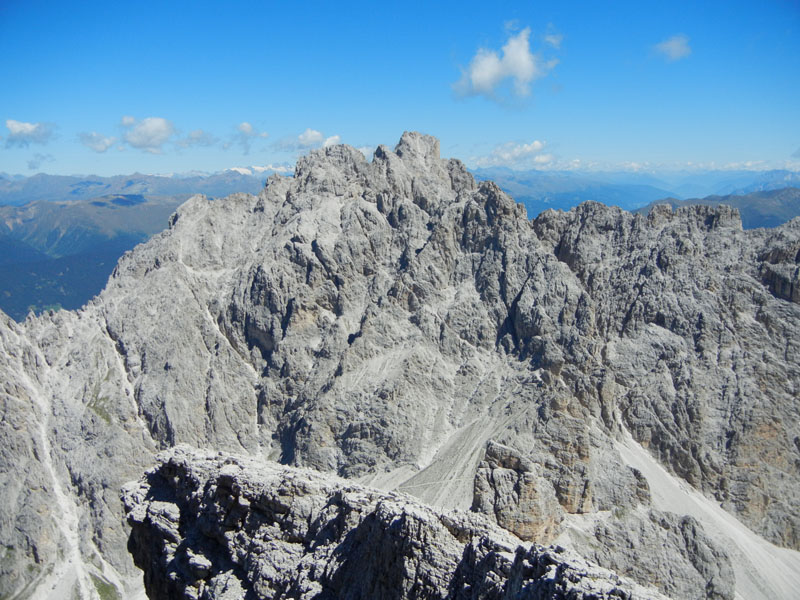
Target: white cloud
<point>796,154</point>
<point>96,141</point>
<point>149,134</point>
<point>127,121</point>
<point>198,137</point>
<point>273,168</point>
<point>488,69</point>
<point>310,138</point>
<point>674,48</point>
<point>367,151</point>
<point>23,134</point>
<point>513,154</point>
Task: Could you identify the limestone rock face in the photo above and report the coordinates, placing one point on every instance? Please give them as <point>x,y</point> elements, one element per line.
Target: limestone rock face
<point>704,566</point>
<point>211,525</point>
<point>508,488</point>
<point>384,321</point>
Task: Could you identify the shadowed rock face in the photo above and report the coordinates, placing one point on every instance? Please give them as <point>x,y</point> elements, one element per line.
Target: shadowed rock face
<point>207,525</point>
<point>387,319</point>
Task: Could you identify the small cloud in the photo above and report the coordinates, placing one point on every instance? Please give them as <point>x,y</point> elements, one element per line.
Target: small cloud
<point>310,138</point>
<point>367,151</point>
<point>198,137</point>
<point>244,136</point>
<point>488,69</point>
<point>96,141</point>
<point>23,134</point>
<point>270,168</point>
<point>674,48</point>
<point>38,159</point>
<point>513,154</point>
<point>796,154</point>
<point>149,134</point>
<point>554,39</point>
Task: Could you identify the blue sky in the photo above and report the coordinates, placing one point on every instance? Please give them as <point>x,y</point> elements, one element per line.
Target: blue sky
<point>112,88</point>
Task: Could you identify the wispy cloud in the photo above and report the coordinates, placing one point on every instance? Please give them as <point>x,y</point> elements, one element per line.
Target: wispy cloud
<point>96,141</point>
<point>38,159</point>
<point>22,134</point>
<point>367,151</point>
<point>244,137</point>
<point>554,39</point>
<point>198,137</point>
<point>674,48</point>
<point>516,155</point>
<point>149,134</point>
<point>796,154</point>
<point>515,62</point>
<point>310,138</point>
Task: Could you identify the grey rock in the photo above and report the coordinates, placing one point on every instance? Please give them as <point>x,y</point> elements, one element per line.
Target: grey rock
<point>212,525</point>
<point>654,545</point>
<point>508,488</point>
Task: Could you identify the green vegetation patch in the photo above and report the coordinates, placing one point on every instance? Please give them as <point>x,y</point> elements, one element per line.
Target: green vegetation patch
<point>105,589</point>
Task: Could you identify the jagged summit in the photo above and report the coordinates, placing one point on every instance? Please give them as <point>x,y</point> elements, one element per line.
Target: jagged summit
<point>394,322</point>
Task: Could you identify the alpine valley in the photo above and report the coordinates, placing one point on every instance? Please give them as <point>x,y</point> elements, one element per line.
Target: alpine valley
<point>380,379</point>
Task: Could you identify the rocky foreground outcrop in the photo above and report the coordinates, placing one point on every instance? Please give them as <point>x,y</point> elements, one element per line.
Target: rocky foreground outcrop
<point>208,525</point>
<point>385,321</point>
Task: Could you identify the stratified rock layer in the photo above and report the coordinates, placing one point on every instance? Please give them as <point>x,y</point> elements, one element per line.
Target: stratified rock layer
<point>384,321</point>
<point>211,526</point>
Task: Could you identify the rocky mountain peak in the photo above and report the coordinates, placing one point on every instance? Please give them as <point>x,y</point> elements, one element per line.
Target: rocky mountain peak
<point>593,378</point>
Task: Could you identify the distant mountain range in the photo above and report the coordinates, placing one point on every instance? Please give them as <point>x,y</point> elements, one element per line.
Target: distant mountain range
<point>758,209</point>
<point>540,190</point>
<point>17,190</point>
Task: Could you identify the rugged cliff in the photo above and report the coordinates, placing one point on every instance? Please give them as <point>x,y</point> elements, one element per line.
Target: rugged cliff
<point>209,525</point>
<point>386,321</point>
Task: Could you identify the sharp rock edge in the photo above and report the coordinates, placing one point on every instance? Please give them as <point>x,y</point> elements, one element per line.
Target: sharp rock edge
<point>396,323</point>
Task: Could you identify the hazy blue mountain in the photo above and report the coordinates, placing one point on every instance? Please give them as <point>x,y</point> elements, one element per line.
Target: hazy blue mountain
<point>540,190</point>
<point>630,190</point>
<point>17,191</point>
<point>60,253</point>
<point>60,237</point>
<point>769,180</point>
<point>65,282</point>
<point>66,227</point>
<point>758,209</point>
